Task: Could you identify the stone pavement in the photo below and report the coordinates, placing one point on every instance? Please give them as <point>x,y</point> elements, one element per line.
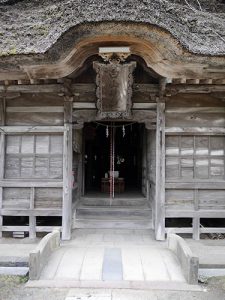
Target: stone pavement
<point>14,255</point>
<point>112,259</point>
<point>15,252</point>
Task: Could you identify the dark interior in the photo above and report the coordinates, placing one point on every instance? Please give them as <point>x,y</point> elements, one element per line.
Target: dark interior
<point>128,154</point>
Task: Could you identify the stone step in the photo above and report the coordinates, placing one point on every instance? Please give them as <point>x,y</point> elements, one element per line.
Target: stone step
<point>89,201</point>
<point>112,212</point>
<point>14,271</point>
<point>112,224</point>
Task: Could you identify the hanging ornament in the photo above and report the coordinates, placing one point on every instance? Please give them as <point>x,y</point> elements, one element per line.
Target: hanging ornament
<point>107,131</point>
<point>124,132</point>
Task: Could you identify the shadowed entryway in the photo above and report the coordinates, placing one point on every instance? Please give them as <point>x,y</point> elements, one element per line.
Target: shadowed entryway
<point>128,146</point>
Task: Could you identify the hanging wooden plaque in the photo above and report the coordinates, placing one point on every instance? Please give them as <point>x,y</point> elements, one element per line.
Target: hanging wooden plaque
<point>114,89</point>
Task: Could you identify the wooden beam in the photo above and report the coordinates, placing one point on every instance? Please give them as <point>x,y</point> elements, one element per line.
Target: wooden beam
<point>78,89</point>
<point>31,212</point>
<point>179,229</point>
<point>29,184</point>
<point>26,228</point>
<point>195,130</point>
<point>212,230</point>
<point>84,105</point>
<point>15,228</point>
<point>67,170</point>
<point>176,213</point>
<point>92,105</point>
<point>28,88</point>
<point>31,129</point>
<point>35,109</point>
<point>47,228</point>
<point>190,229</point>
<point>160,171</point>
<point>207,185</point>
<point>144,106</point>
<point>174,89</point>
<point>194,109</point>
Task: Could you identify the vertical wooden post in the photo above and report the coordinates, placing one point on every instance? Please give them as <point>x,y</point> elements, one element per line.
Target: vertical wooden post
<point>67,170</point>
<point>196,220</point>
<point>148,162</point>
<point>32,219</point>
<point>196,228</point>
<point>2,157</point>
<point>160,170</point>
<point>144,183</point>
<point>1,218</point>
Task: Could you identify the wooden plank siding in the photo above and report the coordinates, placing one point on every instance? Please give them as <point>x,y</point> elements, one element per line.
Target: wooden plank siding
<point>35,109</point>
<point>31,155</point>
<point>195,159</point>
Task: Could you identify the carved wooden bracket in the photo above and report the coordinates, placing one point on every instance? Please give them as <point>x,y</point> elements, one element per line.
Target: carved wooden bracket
<point>114,89</point>
<point>148,117</point>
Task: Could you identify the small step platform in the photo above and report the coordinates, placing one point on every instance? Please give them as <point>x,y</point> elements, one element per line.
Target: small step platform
<point>126,213</point>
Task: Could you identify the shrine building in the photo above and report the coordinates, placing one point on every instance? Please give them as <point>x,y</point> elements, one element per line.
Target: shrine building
<point>112,115</point>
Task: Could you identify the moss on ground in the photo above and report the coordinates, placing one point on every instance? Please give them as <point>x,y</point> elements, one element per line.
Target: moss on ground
<point>217,282</point>
<point>12,280</point>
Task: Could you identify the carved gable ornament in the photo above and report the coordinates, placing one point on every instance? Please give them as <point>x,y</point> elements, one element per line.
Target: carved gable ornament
<point>114,88</point>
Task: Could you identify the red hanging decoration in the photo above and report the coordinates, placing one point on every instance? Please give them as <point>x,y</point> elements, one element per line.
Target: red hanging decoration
<point>111,163</point>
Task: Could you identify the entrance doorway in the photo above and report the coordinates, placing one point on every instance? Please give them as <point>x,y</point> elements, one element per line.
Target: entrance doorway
<point>121,154</point>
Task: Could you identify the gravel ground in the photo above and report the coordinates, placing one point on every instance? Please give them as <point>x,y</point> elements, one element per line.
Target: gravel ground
<point>13,288</point>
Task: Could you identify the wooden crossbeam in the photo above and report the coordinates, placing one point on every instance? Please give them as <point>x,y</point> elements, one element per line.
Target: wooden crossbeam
<point>78,89</point>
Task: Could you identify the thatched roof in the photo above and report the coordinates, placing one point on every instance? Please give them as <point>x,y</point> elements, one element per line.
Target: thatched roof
<point>33,26</point>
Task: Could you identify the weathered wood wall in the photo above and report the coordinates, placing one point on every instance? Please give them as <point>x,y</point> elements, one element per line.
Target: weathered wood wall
<point>31,183</point>
<point>195,160</point>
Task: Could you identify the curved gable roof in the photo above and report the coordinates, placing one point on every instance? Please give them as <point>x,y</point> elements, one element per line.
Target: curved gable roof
<point>33,26</point>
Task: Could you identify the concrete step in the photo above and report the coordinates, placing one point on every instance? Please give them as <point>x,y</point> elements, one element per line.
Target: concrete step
<point>14,271</point>
<point>105,201</point>
<point>112,224</point>
<point>122,285</point>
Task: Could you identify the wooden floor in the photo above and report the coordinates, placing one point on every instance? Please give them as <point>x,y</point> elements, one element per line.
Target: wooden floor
<point>131,193</point>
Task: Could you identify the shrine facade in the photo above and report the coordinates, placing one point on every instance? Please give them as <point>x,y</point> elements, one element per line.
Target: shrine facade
<point>114,118</point>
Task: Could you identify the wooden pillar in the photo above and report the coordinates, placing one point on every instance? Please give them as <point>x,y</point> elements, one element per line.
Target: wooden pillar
<point>2,156</point>
<point>1,218</point>
<point>196,228</point>
<point>145,190</point>
<point>32,219</point>
<point>149,155</point>
<point>196,220</point>
<point>67,170</point>
<point>160,172</point>
<point>77,159</point>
